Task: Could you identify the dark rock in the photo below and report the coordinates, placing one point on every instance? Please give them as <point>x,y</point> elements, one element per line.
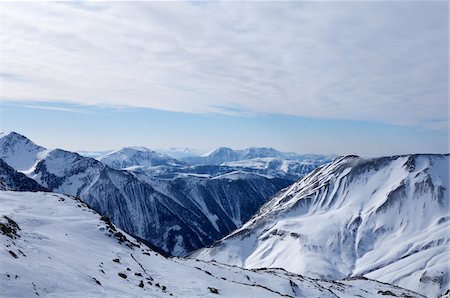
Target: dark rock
<point>13,254</point>
<point>386,293</point>
<point>123,275</point>
<point>9,227</point>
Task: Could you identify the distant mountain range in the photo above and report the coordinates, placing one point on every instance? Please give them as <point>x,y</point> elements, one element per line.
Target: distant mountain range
<point>137,156</point>
<point>175,207</point>
<point>384,218</point>
<point>224,155</point>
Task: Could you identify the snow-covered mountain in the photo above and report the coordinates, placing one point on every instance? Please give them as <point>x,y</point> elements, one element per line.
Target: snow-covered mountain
<point>94,154</point>
<point>56,246</point>
<point>179,152</point>
<point>18,151</point>
<point>384,218</point>
<point>260,160</point>
<point>216,157</point>
<point>137,156</point>
<point>224,155</point>
<point>177,214</point>
<point>260,152</point>
<point>277,167</point>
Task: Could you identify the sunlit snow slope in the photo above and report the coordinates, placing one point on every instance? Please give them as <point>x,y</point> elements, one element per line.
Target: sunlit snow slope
<point>56,246</point>
<point>384,218</point>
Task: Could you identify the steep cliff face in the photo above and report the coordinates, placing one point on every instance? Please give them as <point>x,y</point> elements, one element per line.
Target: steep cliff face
<point>384,218</point>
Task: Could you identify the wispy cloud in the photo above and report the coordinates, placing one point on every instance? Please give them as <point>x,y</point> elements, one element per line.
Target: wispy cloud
<point>60,109</point>
<point>385,62</point>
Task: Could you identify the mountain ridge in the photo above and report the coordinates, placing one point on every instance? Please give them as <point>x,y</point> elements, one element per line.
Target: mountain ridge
<point>369,225</point>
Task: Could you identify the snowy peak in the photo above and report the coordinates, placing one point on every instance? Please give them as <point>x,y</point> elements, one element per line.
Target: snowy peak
<point>221,151</point>
<point>384,218</point>
<point>18,151</point>
<point>137,156</point>
<point>260,152</point>
<point>221,155</point>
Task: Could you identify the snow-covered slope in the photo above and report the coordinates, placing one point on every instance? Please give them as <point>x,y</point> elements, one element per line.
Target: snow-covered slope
<point>137,156</point>
<point>18,151</point>
<point>56,246</point>
<point>384,218</point>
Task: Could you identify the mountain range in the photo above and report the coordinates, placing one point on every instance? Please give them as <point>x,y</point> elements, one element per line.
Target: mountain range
<point>177,213</point>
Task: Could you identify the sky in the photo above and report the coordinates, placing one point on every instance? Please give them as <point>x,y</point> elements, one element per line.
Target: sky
<point>367,78</point>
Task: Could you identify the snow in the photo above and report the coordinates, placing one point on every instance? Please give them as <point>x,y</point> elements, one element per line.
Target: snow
<point>136,156</point>
<point>179,152</point>
<point>383,218</point>
<point>61,248</point>
<point>94,154</point>
<point>17,151</point>
<point>257,157</point>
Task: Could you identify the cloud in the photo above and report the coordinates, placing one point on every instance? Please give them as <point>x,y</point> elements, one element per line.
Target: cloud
<point>60,109</point>
<point>385,62</point>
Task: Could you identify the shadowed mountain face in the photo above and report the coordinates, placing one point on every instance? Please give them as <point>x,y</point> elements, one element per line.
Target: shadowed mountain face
<point>10,179</point>
<point>176,213</point>
<point>384,218</point>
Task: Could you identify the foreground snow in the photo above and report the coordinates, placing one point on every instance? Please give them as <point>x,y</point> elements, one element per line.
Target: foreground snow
<point>55,246</point>
<point>384,218</point>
